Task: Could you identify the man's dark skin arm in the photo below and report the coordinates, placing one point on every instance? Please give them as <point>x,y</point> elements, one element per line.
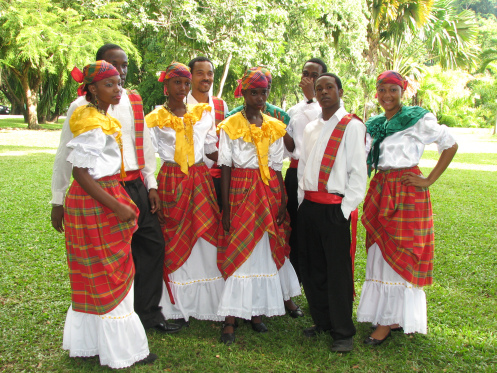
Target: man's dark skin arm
<point>225,192</point>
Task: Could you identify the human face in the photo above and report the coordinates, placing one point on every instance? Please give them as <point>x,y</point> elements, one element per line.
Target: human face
<point>202,76</point>
<point>327,92</point>
<point>178,87</point>
<point>107,91</point>
<point>311,70</point>
<point>390,97</point>
<point>255,98</point>
<point>119,60</point>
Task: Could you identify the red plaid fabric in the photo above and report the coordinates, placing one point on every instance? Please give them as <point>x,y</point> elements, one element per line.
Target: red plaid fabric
<point>190,209</point>
<point>253,211</point>
<point>218,109</point>
<point>137,106</point>
<point>331,150</point>
<point>400,220</point>
<point>98,245</point>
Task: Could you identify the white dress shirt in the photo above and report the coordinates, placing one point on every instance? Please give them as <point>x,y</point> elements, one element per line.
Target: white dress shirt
<point>348,176</point>
<point>300,115</point>
<point>193,101</point>
<point>123,112</point>
<point>404,149</point>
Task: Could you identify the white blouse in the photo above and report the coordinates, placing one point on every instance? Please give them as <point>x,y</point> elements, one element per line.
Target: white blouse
<point>204,139</point>
<point>240,154</point>
<point>404,149</point>
<point>97,152</point>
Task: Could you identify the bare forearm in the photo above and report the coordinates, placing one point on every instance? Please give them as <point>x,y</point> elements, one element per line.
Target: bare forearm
<point>282,187</point>
<point>442,164</point>
<point>225,185</point>
<point>289,143</point>
<point>212,156</point>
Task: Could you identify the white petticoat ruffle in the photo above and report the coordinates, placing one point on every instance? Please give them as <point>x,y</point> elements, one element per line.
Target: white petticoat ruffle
<point>289,281</point>
<point>388,299</point>
<point>255,288</point>
<point>118,337</point>
<point>196,286</point>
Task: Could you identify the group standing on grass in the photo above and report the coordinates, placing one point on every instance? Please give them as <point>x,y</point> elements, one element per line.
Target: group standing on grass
<point>217,236</point>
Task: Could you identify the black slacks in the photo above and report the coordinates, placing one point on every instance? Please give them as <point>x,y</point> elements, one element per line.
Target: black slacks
<point>291,185</point>
<point>148,250</point>
<point>326,266</point>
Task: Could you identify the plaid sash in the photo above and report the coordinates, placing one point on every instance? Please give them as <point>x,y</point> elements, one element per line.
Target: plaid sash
<point>137,106</point>
<point>253,211</point>
<point>400,220</point>
<point>98,245</point>
<point>218,109</point>
<point>190,208</point>
<point>331,150</point>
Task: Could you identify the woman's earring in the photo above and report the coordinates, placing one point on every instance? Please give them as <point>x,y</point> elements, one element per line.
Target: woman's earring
<point>96,101</point>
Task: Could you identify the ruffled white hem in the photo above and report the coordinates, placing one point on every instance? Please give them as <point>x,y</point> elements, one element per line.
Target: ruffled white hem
<point>196,286</point>
<point>82,159</point>
<point>289,281</point>
<point>255,288</point>
<point>388,299</point>
<point>118,337</point>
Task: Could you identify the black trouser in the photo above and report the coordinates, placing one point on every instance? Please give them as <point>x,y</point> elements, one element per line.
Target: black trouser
<point>148,250</point>
<point>292,205</point>
<point>326,266</point>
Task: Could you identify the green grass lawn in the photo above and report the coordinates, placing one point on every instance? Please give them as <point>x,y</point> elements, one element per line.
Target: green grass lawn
<point>19,123</point>
<point>472,158</point>
<point>462,323</point>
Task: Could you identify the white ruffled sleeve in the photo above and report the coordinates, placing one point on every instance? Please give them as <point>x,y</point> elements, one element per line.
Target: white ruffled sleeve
<point>225,152</point>
<point>276,151</point>
<point>429,131</point>
<point>86,148</point>
<point>210,144</point>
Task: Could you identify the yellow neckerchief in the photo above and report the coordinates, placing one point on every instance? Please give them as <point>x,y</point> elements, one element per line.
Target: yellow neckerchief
<point>262,137</point>
<point>86,118</point>
<point>184,151</point>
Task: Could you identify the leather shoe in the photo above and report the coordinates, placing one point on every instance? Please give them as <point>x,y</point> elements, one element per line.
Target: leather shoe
<point>314,330</point>
<point>228,338</point>
<point>167,327</point>
<point>296,313</point>
<point>148,360</point>
<point>258,327</point>
<point>376,342</point>
<point>343,345</point>
<point>399,329</point>
<point>182,323</point>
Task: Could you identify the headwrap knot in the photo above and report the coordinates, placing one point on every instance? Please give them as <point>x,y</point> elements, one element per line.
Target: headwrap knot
<point>175,69</point>
<point>248,74</point>
<point>92,73</point>
<point>391,77</point>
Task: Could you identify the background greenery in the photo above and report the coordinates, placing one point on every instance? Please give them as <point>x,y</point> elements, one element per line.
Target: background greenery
<point>446,48</point>
<point>35,294</point>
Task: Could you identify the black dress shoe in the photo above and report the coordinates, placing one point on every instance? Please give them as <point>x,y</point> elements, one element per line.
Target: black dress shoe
<point>314,331</point>
<point>167,327</point>
<point>296,313</point>
<point>376,342</point>
<point>399,329</point>
<point>228,338</point>
<point>259,327</point>
<point>148,360</point>
<point>182,323</point>
<point>343,345</point>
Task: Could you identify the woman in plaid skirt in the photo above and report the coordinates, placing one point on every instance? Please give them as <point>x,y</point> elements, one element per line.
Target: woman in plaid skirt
<point>100,219</point>
<point>253,259</point>
<point>397,212</point>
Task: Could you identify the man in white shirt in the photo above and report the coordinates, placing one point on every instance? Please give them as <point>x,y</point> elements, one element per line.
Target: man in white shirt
<point>202,78</point>
<point>147,245</point>
<point>300,115</point>
<point>332,177</point>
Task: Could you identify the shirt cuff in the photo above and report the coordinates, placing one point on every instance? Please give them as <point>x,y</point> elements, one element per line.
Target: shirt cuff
<point>58,197</point>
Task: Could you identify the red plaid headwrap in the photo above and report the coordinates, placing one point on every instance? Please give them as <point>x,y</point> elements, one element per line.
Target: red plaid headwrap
<point>175,69</point>
<point>92,73</point>
<point>251,79</point>
<point>391,77</point>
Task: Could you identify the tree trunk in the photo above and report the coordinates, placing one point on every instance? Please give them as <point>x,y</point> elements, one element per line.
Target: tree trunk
<point>495,127</point>
<point>225,74</point>
<point>31,102</point>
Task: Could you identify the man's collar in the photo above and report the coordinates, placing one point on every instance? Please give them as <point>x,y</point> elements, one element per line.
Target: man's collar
<point>339,114</point>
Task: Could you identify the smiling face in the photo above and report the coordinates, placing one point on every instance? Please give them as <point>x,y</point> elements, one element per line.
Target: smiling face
<point>390,97</point>
<point>327,92</point>
<point>108,91</point>
<point>202,76</point>
<point>255,98</point>
<point>119,60</point>
<point>178,88</point>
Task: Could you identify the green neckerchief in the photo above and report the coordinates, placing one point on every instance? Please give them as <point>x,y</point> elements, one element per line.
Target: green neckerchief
<point>269,111</point>
<point>379,128</point>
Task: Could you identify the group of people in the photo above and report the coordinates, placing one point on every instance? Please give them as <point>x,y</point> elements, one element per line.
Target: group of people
<point>219,234</point>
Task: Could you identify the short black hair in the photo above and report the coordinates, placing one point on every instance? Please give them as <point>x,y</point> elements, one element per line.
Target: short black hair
<point>337,79</point>
<point>191,64</point>
<point>319,62</point>
<point>104,48</point>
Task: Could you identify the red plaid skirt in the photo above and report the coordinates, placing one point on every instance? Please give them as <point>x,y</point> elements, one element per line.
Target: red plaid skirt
<point>98,245</point>
<point>190,208</point>
<point>399,219</point>
<point>253,211</point>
